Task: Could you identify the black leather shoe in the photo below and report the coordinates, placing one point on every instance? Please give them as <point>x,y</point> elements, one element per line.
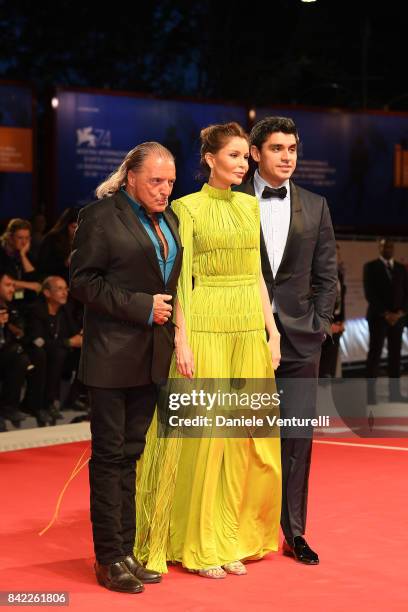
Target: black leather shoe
<point>143,574</point>
<point>117,577</point>
<point>42,418</point>
<point>54,412</point>
<point>300,551</point>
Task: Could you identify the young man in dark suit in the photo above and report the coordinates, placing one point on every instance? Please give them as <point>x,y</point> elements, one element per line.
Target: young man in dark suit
<point>298,255</point>
<point>125,264</point>
<point>386,291</point>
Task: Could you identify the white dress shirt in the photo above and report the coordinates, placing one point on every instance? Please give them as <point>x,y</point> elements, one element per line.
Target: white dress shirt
<point>275,221</point>
<point>387,262</point>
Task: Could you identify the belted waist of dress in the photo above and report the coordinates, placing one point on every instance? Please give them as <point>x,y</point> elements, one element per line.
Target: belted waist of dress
<point>225,281</point>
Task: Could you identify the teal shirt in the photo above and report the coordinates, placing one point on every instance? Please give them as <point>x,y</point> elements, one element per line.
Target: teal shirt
<point>166,266</point>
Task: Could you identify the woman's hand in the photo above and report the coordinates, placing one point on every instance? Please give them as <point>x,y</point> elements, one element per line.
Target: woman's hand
<point>25,248</point>
<point>184,360</point>
<point>274,347</point>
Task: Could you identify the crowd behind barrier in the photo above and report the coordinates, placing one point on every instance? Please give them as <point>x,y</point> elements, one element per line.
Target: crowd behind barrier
<point>40,324</point>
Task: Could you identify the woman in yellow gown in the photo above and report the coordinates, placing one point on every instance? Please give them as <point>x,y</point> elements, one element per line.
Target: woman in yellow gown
<point>211,503</point>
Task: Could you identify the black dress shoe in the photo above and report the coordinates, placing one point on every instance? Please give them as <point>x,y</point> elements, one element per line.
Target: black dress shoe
<point>300,551</point>
<point>55,412</point>
<point>145,575</point>
<point>42,418</point>
<point>117,577</point>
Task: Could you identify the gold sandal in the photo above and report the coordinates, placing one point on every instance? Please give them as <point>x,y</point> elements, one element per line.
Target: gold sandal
<point>236,567</point>
<point>215,572</point>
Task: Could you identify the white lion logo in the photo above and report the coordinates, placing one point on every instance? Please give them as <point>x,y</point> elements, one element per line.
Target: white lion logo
<point>85,136</point>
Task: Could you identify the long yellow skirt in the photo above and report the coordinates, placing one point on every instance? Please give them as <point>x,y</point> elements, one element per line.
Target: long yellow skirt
<point>210,501</point>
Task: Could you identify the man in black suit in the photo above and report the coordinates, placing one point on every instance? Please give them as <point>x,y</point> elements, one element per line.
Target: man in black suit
<point>298,255</point>
<point>125,264</point>
<point>386,291</point>
<point>53,340</point>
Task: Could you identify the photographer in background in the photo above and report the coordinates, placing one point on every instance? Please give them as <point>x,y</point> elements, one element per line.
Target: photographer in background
<point>53,341</point>
<point>13,361</point>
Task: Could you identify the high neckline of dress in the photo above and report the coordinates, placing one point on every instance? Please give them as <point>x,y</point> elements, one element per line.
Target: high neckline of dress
<point>218,194</point>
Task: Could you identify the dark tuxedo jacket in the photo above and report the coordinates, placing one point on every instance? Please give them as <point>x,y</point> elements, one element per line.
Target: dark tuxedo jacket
<point>383,293</point>
<point>115,273</point>
<point>304,289</point>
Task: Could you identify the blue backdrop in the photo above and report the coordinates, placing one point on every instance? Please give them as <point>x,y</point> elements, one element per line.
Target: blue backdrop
<point>348,157</point>
<point>95,131</point>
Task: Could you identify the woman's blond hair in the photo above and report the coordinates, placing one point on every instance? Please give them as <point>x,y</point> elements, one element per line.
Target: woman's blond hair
<point>13,226</point>
<point>133,161</point>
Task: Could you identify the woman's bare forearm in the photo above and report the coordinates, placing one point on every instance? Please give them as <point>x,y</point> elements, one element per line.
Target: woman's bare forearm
<point>267,310</point>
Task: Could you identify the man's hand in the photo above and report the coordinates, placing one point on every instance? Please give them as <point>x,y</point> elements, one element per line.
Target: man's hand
<point>161,310</point>
<point>4,316</point>
<point>16,331</point>
<point>337,328</point>
<point>393,317</point>
<point>36,287</point>
<point>75,341</point>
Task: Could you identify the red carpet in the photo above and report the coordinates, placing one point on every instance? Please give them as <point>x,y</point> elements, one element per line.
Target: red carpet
<point>357,523</point>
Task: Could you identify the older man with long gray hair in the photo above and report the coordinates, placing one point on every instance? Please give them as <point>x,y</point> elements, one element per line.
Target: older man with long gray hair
<point>125,264</point>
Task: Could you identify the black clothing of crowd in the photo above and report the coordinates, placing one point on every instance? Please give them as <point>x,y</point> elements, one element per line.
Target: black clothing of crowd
<point>39,342</point>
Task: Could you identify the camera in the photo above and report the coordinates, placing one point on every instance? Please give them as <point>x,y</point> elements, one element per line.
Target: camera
<point>9,341</point>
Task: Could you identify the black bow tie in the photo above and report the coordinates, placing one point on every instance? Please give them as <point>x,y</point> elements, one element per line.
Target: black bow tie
<point>280,193</point>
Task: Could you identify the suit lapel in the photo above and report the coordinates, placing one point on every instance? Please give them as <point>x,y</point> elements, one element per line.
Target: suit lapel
<point>384,272</point>
<point>291,251</point>
<point>173,226</point>
<point>247,187</point>
<point>171,222</point>
<point>135,227</point>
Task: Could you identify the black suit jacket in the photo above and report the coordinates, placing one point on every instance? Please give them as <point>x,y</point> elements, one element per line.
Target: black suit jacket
<point>382,293</point>
<point>115,273</point>
<point>304,289</point>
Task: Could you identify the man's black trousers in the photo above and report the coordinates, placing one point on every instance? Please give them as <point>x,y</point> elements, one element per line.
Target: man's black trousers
<point>120,419</point>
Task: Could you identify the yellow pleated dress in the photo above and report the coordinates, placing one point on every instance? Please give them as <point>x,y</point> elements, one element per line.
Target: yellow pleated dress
<point>210,501</point>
